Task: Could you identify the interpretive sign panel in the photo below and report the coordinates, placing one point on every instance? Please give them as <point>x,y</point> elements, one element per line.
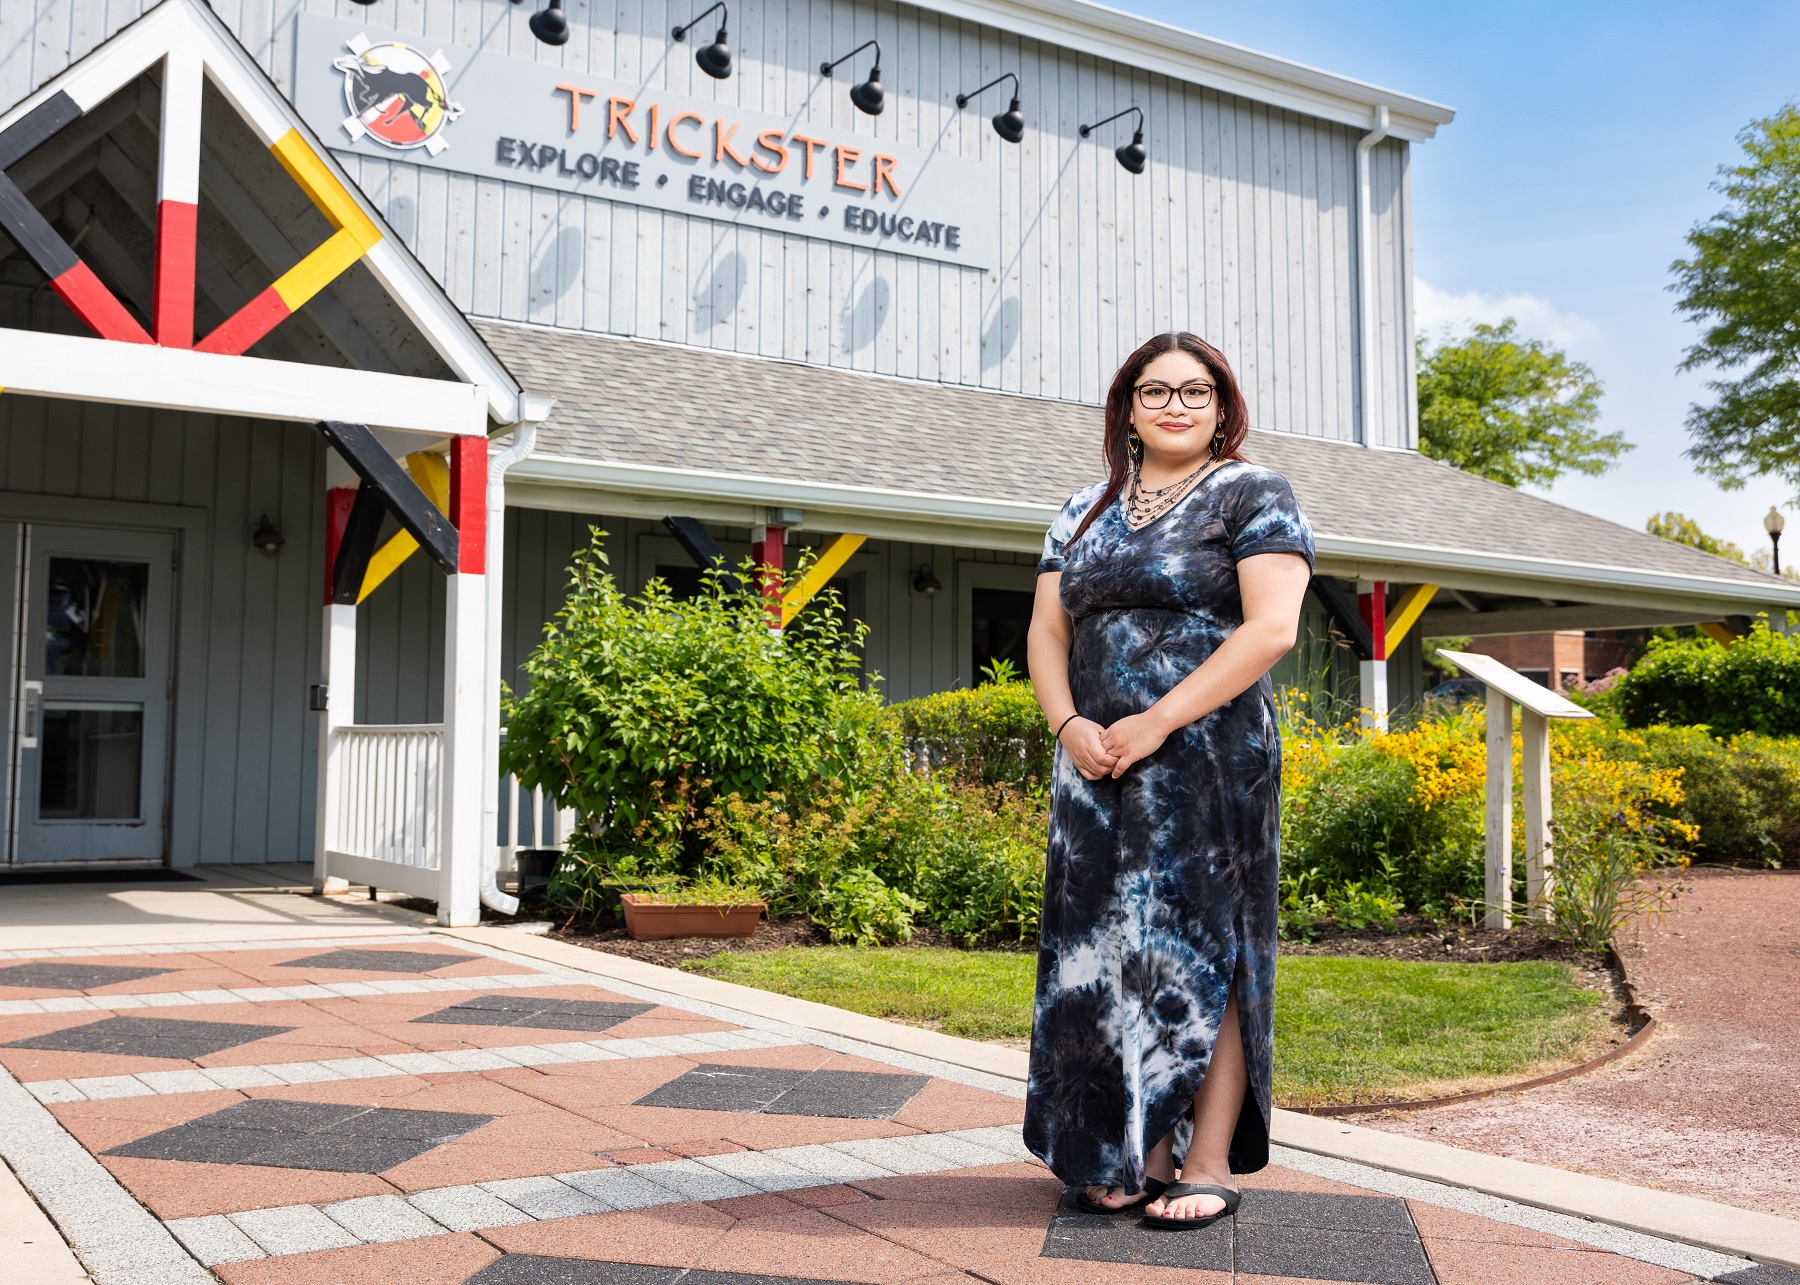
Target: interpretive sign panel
<point>371,92</point>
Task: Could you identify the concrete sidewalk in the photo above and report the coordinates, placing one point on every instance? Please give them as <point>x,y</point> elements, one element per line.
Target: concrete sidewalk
<point>334,1091</point>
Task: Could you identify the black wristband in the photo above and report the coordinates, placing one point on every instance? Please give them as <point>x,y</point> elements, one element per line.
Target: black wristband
<point>1059,731</point>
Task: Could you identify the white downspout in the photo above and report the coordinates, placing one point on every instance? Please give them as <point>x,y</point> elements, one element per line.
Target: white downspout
<point>1365,266</point>
<point>536,410</point>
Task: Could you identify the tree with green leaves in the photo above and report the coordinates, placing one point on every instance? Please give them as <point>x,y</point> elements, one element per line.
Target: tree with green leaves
<point>1743,285</point>
<point>1515,410</point>
<point>1682,529</point>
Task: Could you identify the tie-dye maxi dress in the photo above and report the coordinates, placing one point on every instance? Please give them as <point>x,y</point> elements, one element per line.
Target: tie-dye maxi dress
<point>1161,885</point>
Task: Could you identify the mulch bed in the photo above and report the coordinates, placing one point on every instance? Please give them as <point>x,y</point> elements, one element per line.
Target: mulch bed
<point>1412,938</point>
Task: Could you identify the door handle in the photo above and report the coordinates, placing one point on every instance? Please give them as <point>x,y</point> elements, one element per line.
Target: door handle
<point>31,696</point>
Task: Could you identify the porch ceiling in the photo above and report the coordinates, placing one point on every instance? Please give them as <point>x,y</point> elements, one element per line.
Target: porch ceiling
<point>897,458</point>
<point>96,183</point>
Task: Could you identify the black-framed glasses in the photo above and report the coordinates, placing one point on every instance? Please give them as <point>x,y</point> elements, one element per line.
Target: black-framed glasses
<point>1155,396</point>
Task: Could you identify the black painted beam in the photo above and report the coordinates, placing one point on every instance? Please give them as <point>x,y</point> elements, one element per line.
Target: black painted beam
<point>32,233</point>
<point>382,473</point>
<point>1342,609</point>
<point>361,530</point>
<point>701,547</point>
<point>36,127</point>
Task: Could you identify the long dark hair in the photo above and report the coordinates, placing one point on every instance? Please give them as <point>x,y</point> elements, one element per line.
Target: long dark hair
<point>1234,418</point>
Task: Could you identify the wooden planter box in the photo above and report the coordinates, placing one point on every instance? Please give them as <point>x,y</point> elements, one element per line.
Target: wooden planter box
<point>647,921</point>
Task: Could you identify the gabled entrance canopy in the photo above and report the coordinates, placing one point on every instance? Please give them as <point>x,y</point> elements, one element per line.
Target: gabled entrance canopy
<point>189,255</point>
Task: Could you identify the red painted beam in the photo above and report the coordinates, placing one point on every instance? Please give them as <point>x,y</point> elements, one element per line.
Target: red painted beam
<point>338,502</point>
<point>173,312</point>
<point>97,306</point>
<point>768,553</point>
<point>243,328</point>
<point>1374,614</point>
<point>468,503</point>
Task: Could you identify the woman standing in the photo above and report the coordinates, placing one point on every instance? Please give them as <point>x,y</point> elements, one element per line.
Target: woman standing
<point>1164,596</point>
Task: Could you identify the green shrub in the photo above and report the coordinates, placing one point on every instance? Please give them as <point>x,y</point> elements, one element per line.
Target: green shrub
<point>1751,686</point>
<point>993,734</point>
<point>1743,794</point>
<point>643,711</point>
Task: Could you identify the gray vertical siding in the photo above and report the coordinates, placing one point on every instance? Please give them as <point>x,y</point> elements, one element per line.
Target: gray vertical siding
<point>1242,227</point>
<point>242,756</point>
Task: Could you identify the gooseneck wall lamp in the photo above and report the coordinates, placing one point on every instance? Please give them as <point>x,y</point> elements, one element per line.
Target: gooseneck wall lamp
<point>714,59</point>
<point>1009,124</point>
<point>1132,156</point>
<point>550,25</point>
<point>867,96</point>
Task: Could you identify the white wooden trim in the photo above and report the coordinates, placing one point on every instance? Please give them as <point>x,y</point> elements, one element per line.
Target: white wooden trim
<point>1196,59</point>
<point>461,843</point>
<point>414,881</point>
<point>99,370</point>
<point>109,68</point>
<point>178,172</point>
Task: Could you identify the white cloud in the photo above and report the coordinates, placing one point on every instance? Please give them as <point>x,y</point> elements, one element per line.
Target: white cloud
<point>1436,310</point>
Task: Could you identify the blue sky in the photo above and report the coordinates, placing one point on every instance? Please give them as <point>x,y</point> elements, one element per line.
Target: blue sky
<point>1585,140</point>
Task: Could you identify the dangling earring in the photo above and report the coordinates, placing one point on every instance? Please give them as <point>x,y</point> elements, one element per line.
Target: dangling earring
<point>1218,442</point>
<point>1134,444</point>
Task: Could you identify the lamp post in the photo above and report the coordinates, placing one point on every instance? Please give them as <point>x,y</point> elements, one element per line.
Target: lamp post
<point>1773,523</point>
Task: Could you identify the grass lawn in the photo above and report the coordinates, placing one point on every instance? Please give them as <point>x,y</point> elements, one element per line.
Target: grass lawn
<point>1346,1029</point>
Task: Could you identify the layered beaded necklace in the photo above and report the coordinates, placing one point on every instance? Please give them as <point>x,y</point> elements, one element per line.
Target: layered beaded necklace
<point>1144,505</point>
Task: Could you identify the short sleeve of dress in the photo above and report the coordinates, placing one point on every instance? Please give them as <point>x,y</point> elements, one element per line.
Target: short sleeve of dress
<point>1063,526</point>
<point>1262,516</point>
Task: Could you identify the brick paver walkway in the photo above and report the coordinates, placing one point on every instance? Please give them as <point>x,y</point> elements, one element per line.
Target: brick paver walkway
<point>414,1110</point>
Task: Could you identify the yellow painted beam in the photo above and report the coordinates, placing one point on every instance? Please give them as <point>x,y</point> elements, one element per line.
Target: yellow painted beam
<point>1719,632</point>
<point>1407,611</point>
<point>819,574</point>
<point>432,473</point>
<point>317,270</point>
<point>322,188</point>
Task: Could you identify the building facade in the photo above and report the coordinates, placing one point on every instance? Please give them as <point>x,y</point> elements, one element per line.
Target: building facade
<point>740,314</point>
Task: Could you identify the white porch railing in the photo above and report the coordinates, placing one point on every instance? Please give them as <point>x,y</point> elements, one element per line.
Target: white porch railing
<point>529,820</point>
<point>385,832</point>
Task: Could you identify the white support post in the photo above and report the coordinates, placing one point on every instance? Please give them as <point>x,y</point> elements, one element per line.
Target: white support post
<point>1371,601</point>
<point>1499,809</point>
<point>463,845</point>
<point>338,681</point>
<point>465,647</point>
<point>1372,693</point>
<point>1535,771</point>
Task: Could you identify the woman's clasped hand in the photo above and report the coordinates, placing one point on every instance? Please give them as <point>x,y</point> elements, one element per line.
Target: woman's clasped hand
<point>1108,751</point>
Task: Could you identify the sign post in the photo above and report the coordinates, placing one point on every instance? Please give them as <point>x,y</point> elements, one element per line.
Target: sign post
<point>1537,706</point>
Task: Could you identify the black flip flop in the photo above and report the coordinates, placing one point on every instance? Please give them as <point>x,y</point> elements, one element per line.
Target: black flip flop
<point>1231,1198</point>
<point>1152,1189</point>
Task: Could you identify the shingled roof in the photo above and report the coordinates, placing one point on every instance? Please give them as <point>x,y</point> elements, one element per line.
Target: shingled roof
<point>628,402</point>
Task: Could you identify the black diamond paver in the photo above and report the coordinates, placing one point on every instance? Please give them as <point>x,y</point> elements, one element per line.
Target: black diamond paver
<point>1304,1235</point>
<point>58,976</point>
<point>384,961</point>
<point>1097,1238</point>
<point>151,1037</point>
<point>528,1269</point>
<point>544,1014</point>
<point>1762,1274</point>
<point>843,1095</point>
<point>339,1137</point>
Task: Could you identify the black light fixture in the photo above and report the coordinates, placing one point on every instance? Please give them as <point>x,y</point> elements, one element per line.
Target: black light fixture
<point>869,95</point>
<point>1009,124</point>
<point>924,582</point>
<point>1132,156</point>
<point>266,539</point>
<point>714,59</point>
<point>548,24</point>
<point>362,1</point>
<point>1774,524</point>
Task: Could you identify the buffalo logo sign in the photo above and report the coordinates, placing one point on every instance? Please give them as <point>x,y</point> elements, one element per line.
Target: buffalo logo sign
<point>396,95</point>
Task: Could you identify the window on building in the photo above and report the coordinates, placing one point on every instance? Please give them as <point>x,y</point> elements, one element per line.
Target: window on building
<point>1569,678</point>
<point>1000,619</point>
<point>1538,676</point>
<point>683,581</point>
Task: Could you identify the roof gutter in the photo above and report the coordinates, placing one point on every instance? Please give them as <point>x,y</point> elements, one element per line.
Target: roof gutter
<point>1028,519</point>
<point>1365,269</point>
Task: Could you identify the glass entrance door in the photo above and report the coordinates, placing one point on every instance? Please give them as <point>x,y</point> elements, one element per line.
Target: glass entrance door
<point>91,709</point>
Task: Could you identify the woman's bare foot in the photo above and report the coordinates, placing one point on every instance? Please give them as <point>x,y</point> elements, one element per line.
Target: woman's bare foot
<point>1193,1206</point>
<point>1112,1197</point>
